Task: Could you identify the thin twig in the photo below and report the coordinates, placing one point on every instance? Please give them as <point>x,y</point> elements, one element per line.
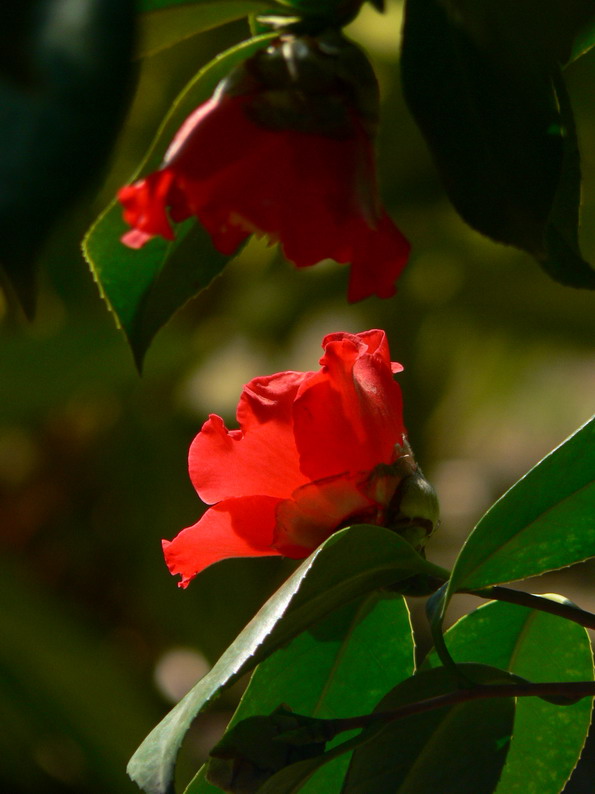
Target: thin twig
<point>573,690</point>
<point>542,603</point>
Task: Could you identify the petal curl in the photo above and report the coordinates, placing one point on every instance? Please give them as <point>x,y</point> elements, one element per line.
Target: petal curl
<point>259,458</point>
<point>145,205</point>
<point>348,417</point>
<point>233,528</point>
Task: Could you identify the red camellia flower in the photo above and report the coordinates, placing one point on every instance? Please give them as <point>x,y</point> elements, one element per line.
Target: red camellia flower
<point>316,451</point>
<point>283,149</point>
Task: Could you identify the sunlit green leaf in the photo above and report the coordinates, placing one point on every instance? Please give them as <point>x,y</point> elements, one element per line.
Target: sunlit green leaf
<point>585,39</point>
<point>545,521</point>
<point>547,739</point>
<point>145,287</point>
<point>350,563</point>
<point>458,749</point>
<point>341,666</point>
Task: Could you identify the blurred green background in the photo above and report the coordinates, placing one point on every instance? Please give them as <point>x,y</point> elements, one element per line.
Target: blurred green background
<point>97,640</point>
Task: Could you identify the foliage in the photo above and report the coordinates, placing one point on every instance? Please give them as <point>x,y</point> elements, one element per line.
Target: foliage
<point>346,694</point>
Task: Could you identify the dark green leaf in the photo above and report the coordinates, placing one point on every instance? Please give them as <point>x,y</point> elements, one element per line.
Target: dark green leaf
<point>459,749</point>
<point>350,563</point>
<point>563,260</point>
<point>487,94</point>
<point>547,739</point>
<point>61,103</point>
<point>290,779</point>
<point>585,38</point>
<point>550,28</point>
<point>168,22</point>
<point>340,667</point>
<point>254,749</point>
<point>145,287</point>
<point>545,521</point>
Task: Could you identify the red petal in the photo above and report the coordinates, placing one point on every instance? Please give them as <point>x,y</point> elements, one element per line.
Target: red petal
<point>320,202</point>
<point>318,509</point>
<point>234,528</point>
<point>316,195</point>
<point>261,457</point>
<point>215,135</point>
<point>144,205</point>
<point>349,416</point>
<point>378,259</point>
<point>248,195</point>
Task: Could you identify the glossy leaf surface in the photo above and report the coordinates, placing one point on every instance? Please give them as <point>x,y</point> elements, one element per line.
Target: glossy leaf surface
<point>339,667</point>
<point>547,739</point>
<point>545,521</point>
<point>350,563</point>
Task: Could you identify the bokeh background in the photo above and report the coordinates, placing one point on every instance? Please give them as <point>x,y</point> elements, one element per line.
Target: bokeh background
<point>96,640</point>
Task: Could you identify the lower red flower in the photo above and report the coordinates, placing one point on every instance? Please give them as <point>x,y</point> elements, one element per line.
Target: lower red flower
<point>313,454</point>
<point>292,161</point>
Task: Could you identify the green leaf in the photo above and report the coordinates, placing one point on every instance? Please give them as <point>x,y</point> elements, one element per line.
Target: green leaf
<point>459,749</point>
<point>544,522</point>
<point>548,27</point>
<point>547,739</point>
<point>563,260</point>
<point>168,22</point>
<point>144,288</point>
<point>349,564</point>
<point>62,100</point>
<point>256,748</point>
<point>584,40</point>
<point>488,96</point>
<point>341,666</point>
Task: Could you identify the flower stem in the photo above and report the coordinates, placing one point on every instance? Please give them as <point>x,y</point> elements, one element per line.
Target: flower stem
<point>573,690</point>
<point>560,607</point>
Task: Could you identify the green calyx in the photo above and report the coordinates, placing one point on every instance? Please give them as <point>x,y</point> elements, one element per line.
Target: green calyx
<point>414,511</point>
<point>320,84</point>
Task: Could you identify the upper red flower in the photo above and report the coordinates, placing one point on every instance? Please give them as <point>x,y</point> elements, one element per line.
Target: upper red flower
<point>283,149</point>
<point>306,461</point>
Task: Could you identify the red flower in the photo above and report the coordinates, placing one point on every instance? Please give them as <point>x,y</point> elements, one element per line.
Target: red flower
<point>281,153</point>
<point>306,461</point>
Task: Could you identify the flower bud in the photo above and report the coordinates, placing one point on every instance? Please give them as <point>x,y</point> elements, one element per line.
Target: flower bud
<point>283,150</point>
<point>321,85</point>
<point>414,511</point>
